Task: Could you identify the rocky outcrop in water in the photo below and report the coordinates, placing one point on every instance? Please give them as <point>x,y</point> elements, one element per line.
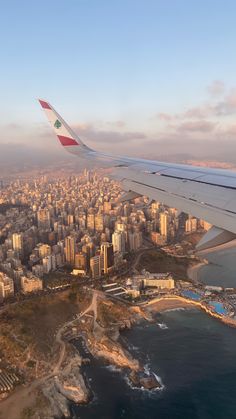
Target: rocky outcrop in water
<point>114,353</point>
<point>144,380</point>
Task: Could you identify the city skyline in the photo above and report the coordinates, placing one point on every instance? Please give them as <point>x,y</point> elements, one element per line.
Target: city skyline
<point>48,225</point>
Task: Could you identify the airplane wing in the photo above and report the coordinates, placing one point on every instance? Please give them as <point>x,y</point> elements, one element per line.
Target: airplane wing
<point>205,193</point>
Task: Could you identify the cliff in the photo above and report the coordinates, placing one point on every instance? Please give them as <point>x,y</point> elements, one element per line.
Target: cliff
<point>114,353</point>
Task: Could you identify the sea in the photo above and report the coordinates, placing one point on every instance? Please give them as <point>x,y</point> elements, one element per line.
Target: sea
<point>220,270</point>
<point>194,356</point>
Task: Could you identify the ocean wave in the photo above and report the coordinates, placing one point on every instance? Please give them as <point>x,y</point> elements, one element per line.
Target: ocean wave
<point>132,347</point>
<point>130,384</point>
<point>174,309</point>
<point>112,368</point>
<point>147,369</point>
<point>162,326</point>
<point>158,378</point>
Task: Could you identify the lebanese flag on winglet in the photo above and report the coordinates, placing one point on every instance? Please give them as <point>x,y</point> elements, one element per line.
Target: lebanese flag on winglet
<point>44,104</point>
<point>66,141</point>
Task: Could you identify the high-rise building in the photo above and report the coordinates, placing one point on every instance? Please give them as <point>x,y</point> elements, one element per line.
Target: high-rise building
<point>157,238</point>
<point>47,264</point>
<point>90,222</point>
<point>107,255</point>
<point>95,266</point>
<point>81,261</point>
<point>127,210</point>
<point>135,240</point>
<point>82,221</point>
<point>205,225</point>
<point>17,242</point>
<point>87,175</point>
<point>99,223</point>
<point>155,205</point>
<point>70,219</point>
<point>107,207</point>
<point>44,250</point>
<point>118,241</point>
<point>164,224</point>
<point>70,250</point>
<point>121,226</point>
<point>43,217</point>
<point>6,286</point>
<point>191,225</point>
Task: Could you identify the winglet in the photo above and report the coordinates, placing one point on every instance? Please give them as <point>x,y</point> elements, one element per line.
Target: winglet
<point>67,137</point>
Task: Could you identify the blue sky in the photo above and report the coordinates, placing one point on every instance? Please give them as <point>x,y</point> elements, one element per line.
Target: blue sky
<point>103,61</point>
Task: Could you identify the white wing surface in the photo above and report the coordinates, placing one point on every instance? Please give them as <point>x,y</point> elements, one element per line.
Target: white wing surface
<point>207,194</point>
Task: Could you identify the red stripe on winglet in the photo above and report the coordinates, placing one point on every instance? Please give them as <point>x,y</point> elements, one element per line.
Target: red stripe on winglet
<point>44,105</point>
<point>67,140</point>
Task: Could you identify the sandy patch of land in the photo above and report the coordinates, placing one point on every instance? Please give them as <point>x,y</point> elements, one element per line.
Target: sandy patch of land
<point>162,304</point>
<point>22,398</point>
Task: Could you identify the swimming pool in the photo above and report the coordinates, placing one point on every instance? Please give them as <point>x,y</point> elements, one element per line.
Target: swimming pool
<point>218,307</point>
<point>192,295</point>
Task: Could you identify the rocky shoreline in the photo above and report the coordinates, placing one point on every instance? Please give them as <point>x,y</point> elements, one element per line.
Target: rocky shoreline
<point>102,343</point>
<point>100,334</point>
<point>68,386</point>
<point>99,326</point>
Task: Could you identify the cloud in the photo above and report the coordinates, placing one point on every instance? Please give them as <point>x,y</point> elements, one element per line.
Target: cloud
<point>197,112</point>
<point>197,126</point>
<point>13,126</point>
<point>107,137</point>
<point>178,146</point>
<point>216,88</point>
<point>211,109</point>
<point>229,132</point>
<point>164,116</point>
<point>116,124</point>
<point>228,105</point>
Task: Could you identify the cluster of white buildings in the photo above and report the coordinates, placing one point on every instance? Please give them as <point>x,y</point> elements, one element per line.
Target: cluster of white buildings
<point>31,284</point>
<point>192,224</point>
<point>6,286</point>
<point>27,285</point>
<point>147,282</point>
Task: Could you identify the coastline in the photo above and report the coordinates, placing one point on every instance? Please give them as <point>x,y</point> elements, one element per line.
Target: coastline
<point>100,333</point>
<point>193,271</point>
<point>169,302</point>
<point>166,303</point>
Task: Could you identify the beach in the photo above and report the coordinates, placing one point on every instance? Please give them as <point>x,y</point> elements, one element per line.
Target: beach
<point>167,303</point>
